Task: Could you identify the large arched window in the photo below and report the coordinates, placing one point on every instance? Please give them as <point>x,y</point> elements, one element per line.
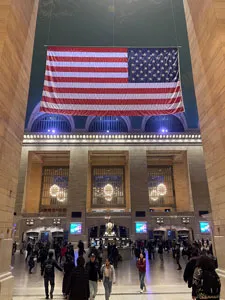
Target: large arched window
<point>51,124</point>
<point>164,124</point>
<point>108,124</point>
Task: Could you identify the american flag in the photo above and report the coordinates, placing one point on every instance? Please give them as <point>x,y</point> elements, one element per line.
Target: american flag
<point>114,81</point>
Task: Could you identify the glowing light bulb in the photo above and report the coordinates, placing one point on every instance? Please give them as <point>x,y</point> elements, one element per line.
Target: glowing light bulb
<point>162,189</point>
<point>54,189</point>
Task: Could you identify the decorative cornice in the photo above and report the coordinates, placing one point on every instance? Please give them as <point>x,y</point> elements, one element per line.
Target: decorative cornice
<point>108,139</point>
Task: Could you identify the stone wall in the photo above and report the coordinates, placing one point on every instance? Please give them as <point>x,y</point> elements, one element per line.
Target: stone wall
<point>189,176</point>
<point>17,27</point>
<point>206,31</point>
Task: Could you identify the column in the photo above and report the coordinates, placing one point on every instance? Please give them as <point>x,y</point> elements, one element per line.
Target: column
<point>21,187</point>
<point>206,31</point>
<point>17,28</point>
<point>138,185</point>
<point>77,191</point>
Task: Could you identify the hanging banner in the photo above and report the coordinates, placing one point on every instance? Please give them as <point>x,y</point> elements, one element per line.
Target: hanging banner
<point>112,81</point>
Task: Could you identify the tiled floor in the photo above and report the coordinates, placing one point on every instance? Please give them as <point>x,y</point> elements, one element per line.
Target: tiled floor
<point>163,282</point>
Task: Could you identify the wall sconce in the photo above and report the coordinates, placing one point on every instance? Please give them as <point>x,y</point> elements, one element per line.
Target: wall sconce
<point>159,220</point>
<point>185,220</point>
<point>30,222</point>
<point>56,221</point>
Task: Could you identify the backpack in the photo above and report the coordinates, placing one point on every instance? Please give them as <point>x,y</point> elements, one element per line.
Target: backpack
<point>211,283</point>
<point>49,268</point>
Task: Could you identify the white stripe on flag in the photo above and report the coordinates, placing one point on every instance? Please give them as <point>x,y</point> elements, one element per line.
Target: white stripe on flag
<point>111,107</point>
<point>87,64</point>
<point>87,75</point>
<point>112,85</point>
<point>87,54</point>
<point>111,96</point>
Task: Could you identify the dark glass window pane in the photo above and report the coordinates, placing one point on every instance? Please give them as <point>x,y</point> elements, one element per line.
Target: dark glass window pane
<point>51,124</point>
<point>108,124</point>
<point>164,124</point>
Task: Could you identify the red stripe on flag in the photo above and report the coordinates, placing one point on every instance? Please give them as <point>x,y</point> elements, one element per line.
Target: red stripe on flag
<point>112,113</point>
<point>88,80</point>
<point>112,90</point>
<point>111,101</point>
<point>79,69</point>
<point>86,59</point>
<point>86,49</point>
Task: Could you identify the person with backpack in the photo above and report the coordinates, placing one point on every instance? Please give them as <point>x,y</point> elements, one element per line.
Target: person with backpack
<point>48,270</point>
<point>206,283</point>
<point>190,267</point>
<point>109,277</point>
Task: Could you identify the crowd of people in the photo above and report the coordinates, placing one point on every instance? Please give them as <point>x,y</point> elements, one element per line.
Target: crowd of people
<point>80,282</point>
<point>200,271</point>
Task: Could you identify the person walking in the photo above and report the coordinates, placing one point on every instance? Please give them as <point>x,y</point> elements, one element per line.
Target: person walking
<point>109,277</point>
<point>115,256</point>
<point>81,250</point>
<point>177,255</point>
<point>190,268</point>
<point>68,269</point>
<point>29,250</point>
<point>43,255</point>
<point>141,265</point>
<point>31,262</point>
<point>48,271</point>
<point>93,270</point>
<point>206,283</point>
<point>100,256</point>
<point>160,251</point>
<point>78,288</point>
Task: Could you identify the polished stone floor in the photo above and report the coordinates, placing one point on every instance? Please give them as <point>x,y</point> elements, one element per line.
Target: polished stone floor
<point>163,282</point>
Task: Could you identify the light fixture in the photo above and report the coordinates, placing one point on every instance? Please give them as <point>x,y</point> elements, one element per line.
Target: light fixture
<point>185,220</point>
<point>108,191</point>
<point>161,189</point>
<point>54,189</point>
<point>154,195</point>
<point>56,221</point>
<point>61,195</point>
<point>30,222</point>
<point>159,220</point>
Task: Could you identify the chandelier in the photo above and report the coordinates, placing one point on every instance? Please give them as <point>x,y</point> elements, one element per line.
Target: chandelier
<point>108,191</point>
<point>61,195</point>
<point>161,189</point>
<point>54,189</point>
<point>154,195</point>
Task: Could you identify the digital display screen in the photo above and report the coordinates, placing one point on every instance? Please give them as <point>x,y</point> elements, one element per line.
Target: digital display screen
<point>204,227</point>
<point>141,227</point>
<point>75,228</point>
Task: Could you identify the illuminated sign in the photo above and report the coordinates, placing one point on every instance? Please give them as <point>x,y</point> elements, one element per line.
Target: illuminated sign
<point>204,227</point>
<point>141,227</point>
<point>75,228</point>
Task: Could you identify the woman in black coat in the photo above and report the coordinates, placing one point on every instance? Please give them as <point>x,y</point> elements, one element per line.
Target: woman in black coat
<point>68,269</point>
<point>78,288</point>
